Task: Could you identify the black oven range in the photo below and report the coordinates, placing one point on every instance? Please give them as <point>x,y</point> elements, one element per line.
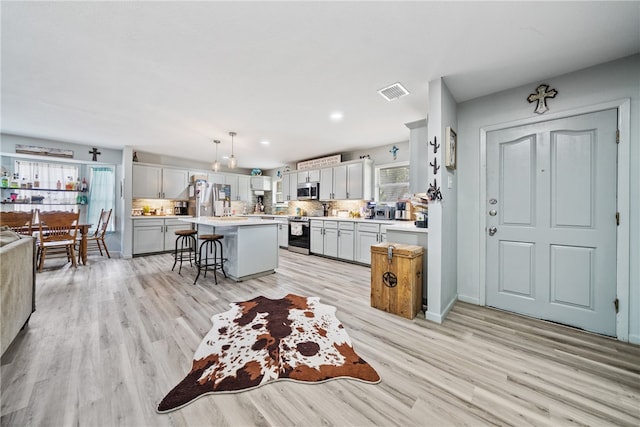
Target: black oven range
<point>299,234</point>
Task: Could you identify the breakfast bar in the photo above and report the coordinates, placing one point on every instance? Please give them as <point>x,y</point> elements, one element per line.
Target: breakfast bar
<point>250,245</point>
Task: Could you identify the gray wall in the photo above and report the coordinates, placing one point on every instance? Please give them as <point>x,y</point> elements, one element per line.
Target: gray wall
<point>604,83</point>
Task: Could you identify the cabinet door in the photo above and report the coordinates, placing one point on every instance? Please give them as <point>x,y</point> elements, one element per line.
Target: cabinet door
<point>355,183</point>
<point>331,242</point>
<point>216,178</point>
<point>302,177</point>
<point>232,180</point>
<point>313,175</point>
<point>326,184</point>
<point>346,245</point>
<point>146,182</point>
<point>148,239</point>
<point>283,235</point>
<point>286,194</point>
<point>364,241</point>
<point>317,239</point>
<point>293,188</point>
<point>340,182</point>
<point>244,188</point>
<point>170,234</point>
<point>175,183</point>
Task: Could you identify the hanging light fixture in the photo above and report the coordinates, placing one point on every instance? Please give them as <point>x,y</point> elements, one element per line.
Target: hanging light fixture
<point>216,165</point>
<point>232,160</point>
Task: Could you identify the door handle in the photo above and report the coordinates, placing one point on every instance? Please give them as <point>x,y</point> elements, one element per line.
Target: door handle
<point>492,231</point>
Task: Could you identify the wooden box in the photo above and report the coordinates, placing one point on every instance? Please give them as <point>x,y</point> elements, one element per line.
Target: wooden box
<point>396,281</point>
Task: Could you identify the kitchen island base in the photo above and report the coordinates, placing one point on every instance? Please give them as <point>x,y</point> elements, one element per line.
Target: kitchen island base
<point>250,247</point>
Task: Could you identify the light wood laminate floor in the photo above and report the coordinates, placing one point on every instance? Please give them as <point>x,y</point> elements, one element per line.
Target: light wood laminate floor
<point>110,339</point>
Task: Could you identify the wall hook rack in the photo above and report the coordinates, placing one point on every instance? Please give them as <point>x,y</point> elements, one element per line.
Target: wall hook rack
<point>435,145</point>
<point>435,165</point>
<point>434,191</point>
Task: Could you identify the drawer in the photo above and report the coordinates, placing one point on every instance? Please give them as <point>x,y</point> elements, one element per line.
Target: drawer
<point>148,223</point>
<point>316,223</point>
<point>177,222</point>
<point>373,228</point>
<point>331,224</point>
<point>346,225</point>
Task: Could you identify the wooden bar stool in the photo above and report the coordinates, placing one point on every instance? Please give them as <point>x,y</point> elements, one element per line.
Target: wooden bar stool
<point>188,244</point>
<point>210,243</point>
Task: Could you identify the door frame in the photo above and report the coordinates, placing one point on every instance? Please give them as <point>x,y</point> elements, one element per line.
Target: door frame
<point>623,180</point>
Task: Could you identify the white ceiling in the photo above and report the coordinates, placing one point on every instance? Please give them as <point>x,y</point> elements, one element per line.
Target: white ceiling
<point>170,77</point>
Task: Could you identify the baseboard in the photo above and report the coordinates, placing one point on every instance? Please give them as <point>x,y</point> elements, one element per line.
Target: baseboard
<point>439,317</point>
<point>634,339</point>
<point>470,300</point>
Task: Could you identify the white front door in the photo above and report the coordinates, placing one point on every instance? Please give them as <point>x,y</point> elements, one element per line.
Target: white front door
<point>551,220</point>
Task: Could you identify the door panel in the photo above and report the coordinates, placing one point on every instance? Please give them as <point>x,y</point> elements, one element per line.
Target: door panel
<point>572,276</point>
<point>517,268</point>
<point>517,180</point>
<point>551,253</point>
<point>573,170</point>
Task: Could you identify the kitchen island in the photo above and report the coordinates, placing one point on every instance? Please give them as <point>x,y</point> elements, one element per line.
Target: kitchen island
<point>250,244</point>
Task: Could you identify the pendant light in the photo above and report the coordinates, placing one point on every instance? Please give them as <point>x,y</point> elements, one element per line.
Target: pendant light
<point>232,160</point>
<point>216,164</point>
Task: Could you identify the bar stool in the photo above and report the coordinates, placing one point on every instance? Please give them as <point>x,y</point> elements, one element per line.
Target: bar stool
<point>210,243</point>
<point>187,241</point>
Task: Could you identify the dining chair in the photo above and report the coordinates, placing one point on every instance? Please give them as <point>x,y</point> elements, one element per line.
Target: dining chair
<point>96,240</point>
<point>20,222</point>
<point>57,230</point>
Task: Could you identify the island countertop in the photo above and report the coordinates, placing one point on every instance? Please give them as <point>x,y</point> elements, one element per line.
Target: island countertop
<point>228,221</point>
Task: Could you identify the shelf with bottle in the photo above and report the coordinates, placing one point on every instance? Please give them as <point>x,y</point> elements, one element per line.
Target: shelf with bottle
<point>43,196</point>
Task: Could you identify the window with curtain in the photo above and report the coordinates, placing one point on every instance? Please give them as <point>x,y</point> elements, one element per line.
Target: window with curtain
<point>48,174</point>
<point>392,182</point>
<point>102,184</point>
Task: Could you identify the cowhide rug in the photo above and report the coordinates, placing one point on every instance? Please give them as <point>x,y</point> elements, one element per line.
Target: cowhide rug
<point>263,340</point>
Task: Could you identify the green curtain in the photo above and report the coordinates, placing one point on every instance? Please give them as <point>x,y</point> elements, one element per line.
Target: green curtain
<point>102,195</point>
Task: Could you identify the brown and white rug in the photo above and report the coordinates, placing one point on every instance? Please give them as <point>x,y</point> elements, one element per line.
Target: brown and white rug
<point>264,340</point>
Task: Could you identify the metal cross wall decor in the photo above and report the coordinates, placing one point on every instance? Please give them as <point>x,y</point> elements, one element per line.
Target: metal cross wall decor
<point>95,153</point>
<point>541,95</point>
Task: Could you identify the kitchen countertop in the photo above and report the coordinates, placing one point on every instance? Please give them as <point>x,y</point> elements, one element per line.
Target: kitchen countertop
<point>227,221</point>
<point>157,216</point>
<point>407,226</point>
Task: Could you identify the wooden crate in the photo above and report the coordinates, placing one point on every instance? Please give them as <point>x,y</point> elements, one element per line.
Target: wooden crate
<point>396,284</point>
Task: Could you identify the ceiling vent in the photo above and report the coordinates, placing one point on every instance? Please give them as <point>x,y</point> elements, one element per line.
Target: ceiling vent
<point>393,92</point>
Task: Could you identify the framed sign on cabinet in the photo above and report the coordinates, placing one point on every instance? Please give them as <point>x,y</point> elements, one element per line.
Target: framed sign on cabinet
<point>450,148</point>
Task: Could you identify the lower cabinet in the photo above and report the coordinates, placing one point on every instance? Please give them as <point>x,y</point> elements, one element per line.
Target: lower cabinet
<point>155,235</point>
<point>283,234</point>
<point>333,239</point>
<point>368,235</point>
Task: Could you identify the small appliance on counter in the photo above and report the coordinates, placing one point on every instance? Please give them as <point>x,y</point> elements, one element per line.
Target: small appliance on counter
<point>404,211</point>
<point>370,211</point>
<point>181,208</point>
<point>385,212</point>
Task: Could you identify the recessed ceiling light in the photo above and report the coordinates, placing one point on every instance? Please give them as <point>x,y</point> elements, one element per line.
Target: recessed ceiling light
<point>336,116</point>
<point>393,92</point>
<point>264,142</point>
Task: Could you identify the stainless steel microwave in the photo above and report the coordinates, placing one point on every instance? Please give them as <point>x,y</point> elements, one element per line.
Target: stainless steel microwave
<point>308,190</point>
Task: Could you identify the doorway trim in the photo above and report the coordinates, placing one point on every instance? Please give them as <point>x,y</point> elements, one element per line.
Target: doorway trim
<point>623,232</point>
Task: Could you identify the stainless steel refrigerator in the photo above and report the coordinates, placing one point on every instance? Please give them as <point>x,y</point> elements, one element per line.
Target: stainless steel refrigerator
<point>209,199</point>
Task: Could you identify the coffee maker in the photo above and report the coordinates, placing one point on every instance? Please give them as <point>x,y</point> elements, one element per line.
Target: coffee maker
<point>181,208</point>
<point>404,211</point>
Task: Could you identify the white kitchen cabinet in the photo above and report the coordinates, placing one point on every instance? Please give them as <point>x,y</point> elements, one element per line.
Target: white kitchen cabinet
<point>155,182</point>
<point>330,237</point>
<point>286,193</point>
<point>367,235</point>
<point>339,182</point>
<point>283,234</point>
<point>317,236</point>
<point>346,238</point>
<point>146,182</point>
<point>312,175</point>
<point>326,183</point>
<point>155,235</point>
<point>355,182</point>
<point>244,188</point>
<point>261,183</point>
<point>216,178</point>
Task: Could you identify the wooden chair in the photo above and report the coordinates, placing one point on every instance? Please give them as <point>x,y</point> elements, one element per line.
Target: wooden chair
<point>96,240</point>
<point>57,230</point>
<point>20,222</point>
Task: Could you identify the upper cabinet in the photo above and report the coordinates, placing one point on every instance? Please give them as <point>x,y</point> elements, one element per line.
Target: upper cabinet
<point>156,182</point>
<point>289,187</point>
<point>261,183</point>
<point>347,181</point>
<point>240,184</point>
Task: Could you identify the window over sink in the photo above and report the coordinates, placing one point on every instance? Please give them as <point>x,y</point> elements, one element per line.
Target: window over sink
<point>392,182</point>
